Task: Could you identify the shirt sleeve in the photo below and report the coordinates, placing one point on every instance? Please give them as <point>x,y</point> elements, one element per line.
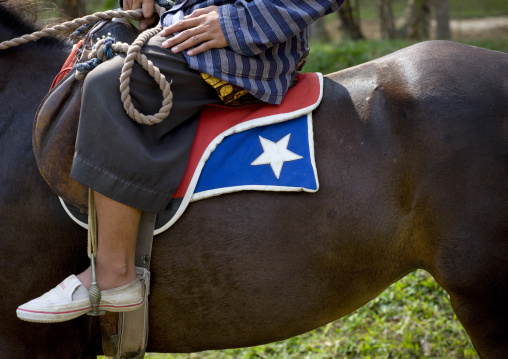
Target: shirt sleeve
<point>252,26</point>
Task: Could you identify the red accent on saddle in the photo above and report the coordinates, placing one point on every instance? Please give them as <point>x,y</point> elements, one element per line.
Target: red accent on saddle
<point>67,66</point>
<point>216,119</point>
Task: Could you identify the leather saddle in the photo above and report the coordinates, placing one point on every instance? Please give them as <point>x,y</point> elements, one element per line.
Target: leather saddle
<point>56,121</point>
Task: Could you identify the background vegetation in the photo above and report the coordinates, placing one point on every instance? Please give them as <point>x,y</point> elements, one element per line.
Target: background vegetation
<point>458,8</point>
<point>339,54</point>
<point>413,318</point>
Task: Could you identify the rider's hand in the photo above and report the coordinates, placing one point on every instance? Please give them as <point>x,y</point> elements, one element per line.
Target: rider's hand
<point>201,27</point>
<point>147,6</point>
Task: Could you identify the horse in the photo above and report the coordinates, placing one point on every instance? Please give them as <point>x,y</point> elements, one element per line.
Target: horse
<point>412,156</point>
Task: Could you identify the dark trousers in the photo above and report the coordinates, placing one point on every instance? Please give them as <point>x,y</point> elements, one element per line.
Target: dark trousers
<point>138,165</point>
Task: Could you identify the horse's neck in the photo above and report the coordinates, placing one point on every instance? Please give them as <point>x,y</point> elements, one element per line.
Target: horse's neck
<point>43,56</point>
<point>27,73</point>
<point>25,79</point>
<point>39,61</point>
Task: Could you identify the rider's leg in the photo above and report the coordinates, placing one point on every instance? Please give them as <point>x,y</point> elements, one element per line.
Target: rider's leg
<point>121,291</point>
<point>137,165</point>
<point>117,231</point>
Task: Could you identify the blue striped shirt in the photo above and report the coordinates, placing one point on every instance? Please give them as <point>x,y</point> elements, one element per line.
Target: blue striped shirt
<point>266,40</point>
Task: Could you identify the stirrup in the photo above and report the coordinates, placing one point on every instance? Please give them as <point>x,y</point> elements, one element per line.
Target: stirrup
<point>95,292</point>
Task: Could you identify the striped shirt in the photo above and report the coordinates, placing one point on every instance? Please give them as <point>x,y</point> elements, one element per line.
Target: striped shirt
<point>266,39</point>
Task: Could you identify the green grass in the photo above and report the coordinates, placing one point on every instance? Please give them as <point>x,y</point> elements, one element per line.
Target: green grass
<point>469,8</point>
<point>411,319</point>
<point>339,55</point>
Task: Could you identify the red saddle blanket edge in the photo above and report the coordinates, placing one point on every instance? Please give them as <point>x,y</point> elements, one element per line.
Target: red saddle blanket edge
<point>301,99</point>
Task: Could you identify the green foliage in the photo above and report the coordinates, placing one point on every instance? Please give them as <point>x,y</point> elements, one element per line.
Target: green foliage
<point>411,319</point>
<point>335,56</point>
<point>470,8</point>
<point>338,55</point>
<point>101,5</point>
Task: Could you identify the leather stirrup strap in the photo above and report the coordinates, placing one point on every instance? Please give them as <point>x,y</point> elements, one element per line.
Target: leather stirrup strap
<point>145,239</point>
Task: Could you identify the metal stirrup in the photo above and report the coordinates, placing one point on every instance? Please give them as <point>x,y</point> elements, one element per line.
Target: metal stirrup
<point>94,292</point>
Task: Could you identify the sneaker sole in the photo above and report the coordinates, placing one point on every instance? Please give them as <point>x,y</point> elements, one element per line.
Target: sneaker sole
<point>57,317</point>
<point>50,317</point>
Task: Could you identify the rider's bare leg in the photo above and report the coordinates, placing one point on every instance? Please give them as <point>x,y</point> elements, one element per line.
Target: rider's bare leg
<point>117,231</point>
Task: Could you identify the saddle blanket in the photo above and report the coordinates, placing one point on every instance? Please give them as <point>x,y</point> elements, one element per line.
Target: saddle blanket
<point>255,147</point>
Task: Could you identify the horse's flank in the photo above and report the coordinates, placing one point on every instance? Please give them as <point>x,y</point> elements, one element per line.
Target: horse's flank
<point>412,155</point>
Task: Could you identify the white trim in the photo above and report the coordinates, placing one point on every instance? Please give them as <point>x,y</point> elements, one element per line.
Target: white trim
<point>64,205</point>
<point>310,127</point>
<point>217,192</point>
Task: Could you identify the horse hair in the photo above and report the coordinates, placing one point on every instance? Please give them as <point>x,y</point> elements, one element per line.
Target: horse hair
<point>19,18</point>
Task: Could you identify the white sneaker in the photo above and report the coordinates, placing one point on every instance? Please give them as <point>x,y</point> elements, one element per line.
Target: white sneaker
<point>58,305</point>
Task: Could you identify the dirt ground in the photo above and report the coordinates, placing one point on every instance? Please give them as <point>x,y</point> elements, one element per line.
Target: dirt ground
<point>462,29</point>
<point>487,27</point>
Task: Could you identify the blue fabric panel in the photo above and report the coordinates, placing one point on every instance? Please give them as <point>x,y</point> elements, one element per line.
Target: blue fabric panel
<point>230,163</point>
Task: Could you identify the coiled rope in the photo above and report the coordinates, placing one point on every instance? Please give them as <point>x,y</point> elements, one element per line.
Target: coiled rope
<point>132,54</point>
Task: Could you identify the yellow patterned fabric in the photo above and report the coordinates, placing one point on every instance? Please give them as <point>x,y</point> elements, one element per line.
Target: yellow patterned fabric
<point>229,94</point>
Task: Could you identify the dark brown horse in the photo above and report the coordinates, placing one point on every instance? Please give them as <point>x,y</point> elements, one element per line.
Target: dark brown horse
<point>412,155</point>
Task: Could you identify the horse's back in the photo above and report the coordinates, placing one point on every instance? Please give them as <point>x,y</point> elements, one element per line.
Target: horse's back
<point>435,75</point>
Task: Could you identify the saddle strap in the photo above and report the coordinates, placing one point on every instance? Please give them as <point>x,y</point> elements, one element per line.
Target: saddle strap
<point>68,64</point>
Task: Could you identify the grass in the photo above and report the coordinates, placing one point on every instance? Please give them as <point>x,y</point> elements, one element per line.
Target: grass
<point>411,319</point>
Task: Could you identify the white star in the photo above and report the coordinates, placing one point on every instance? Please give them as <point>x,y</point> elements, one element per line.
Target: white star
<point>275,154</point>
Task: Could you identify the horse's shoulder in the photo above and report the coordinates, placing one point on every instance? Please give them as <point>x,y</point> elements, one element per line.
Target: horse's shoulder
<point>435,67</point>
